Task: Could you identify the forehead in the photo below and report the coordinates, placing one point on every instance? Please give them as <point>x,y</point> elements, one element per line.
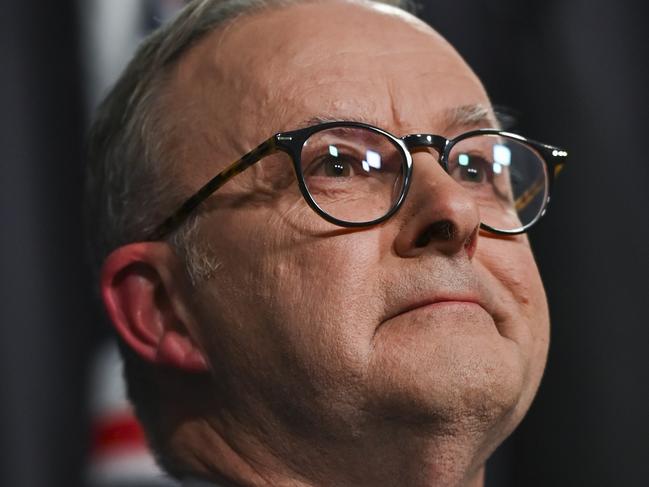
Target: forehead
<point>272,70</point>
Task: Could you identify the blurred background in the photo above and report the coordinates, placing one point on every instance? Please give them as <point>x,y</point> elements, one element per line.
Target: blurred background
<point>575,72</point>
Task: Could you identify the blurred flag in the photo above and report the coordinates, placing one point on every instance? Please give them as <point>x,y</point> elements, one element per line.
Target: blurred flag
<point>119,456</point>
<point>111,31</point>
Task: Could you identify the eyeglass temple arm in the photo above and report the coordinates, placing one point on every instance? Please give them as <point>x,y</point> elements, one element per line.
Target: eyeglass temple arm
<point>211,186</point>
<point>526,197</point>
<point>558,158</point>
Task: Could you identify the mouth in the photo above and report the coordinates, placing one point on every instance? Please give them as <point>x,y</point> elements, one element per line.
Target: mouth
<point>442,302</point>
<point>432,291</point>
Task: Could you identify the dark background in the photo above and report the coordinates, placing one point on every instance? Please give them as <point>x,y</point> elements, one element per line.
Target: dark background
<point>576,71</point>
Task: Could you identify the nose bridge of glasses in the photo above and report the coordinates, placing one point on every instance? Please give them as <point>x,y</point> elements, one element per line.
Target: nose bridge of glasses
<point>422,142</point>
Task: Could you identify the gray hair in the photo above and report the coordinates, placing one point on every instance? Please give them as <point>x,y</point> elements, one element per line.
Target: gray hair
<point>129,190</point>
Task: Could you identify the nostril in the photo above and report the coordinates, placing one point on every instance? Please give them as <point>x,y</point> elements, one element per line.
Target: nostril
<point>443,230</point>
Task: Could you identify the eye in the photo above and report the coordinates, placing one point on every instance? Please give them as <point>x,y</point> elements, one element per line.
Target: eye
<point>340,166</point>
<point>471,168</point>
<point>336,167</point>
<point>473,174</point>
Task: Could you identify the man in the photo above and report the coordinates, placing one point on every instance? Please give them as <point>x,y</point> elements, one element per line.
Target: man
<point>340,306</point>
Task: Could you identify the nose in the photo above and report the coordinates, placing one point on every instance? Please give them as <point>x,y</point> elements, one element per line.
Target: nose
<point>438,214</point>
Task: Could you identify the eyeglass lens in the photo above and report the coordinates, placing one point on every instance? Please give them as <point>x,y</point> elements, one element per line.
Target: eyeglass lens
<point>507,178</point>
<point>353,174</point>
<point>357,175</point>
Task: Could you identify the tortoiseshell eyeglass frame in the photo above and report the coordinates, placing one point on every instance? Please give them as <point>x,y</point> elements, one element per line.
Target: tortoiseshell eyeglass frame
<point>292,143</point>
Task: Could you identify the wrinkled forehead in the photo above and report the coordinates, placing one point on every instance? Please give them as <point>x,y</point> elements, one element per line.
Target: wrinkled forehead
<point>273,70</point>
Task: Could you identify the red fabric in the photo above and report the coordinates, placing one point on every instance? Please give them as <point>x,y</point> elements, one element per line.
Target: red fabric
<point>117,432</point>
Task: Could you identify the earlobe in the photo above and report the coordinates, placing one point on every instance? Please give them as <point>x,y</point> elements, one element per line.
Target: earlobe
<point>141,297</point>
<point>178,351</point>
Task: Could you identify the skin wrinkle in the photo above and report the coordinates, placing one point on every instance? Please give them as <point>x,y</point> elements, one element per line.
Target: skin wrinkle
<point>257,469</point>
<point>292,326</point>
<point>456,119</point>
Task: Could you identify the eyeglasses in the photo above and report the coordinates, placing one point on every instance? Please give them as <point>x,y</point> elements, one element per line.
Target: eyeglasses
<point>356,175</point>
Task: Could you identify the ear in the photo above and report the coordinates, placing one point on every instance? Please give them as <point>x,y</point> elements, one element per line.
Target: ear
<point>142,289</point>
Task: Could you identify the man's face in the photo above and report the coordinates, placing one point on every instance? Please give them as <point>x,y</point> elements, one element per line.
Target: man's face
<point>324,331</point>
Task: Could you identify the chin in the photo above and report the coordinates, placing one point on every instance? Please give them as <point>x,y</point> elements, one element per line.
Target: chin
<point>459,382</point>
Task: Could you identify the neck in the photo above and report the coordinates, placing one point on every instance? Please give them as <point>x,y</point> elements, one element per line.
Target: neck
<point>230,455</point>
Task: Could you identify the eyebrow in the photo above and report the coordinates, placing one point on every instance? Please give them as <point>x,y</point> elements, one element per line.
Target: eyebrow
<point>318,119</point>
<point>469,116</point>
<point>452,118</point>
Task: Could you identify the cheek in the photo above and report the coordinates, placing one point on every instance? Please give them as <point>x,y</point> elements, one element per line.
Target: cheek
<point>509,267</point>
<point>292,298</point>
<point>324,290</point>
